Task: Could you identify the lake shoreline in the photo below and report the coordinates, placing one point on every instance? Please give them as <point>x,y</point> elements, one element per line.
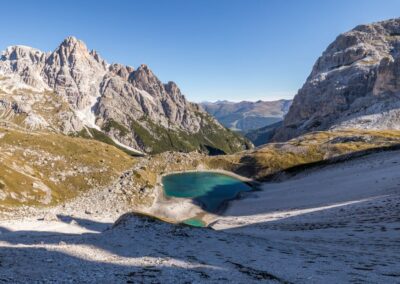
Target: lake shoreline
<point>177,209</point>
<point>217,171</point>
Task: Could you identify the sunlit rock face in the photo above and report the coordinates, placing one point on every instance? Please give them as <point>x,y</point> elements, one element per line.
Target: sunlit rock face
<point>130,106</point>
<point>354,84</point>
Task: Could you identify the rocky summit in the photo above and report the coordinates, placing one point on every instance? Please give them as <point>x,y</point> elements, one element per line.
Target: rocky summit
<point>354,84</point>
<point>74,91</point>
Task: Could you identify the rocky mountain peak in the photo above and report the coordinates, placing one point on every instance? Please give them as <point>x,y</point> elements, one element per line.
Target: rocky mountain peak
<point>121,70</point>
<point>74,52</point>
<point>72,41</point>
<point>132,108</point>
<point>70,46</point>
<point>21,52</point>
<point>143,75</point>
<point>75,72</point>
<point>354,84</point>
<point>144,67</point>
<point>143,78</point>
<point>73,45</point>
<point>172,88</point>
<point>22,65</point>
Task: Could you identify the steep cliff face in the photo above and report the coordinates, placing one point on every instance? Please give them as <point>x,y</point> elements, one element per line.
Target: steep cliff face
<point>92,98</point>
<point>75,73</point>
<point>354,84</point>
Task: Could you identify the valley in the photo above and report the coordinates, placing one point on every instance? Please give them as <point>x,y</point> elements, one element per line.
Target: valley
<point>108,174</point>
<point>246,116</point>
<point>292,230</point>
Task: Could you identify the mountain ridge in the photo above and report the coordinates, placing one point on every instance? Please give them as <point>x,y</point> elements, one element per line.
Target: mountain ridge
<point>245,116</point>
<point>131,106</point>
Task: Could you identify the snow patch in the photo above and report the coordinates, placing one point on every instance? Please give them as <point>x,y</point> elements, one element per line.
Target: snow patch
<point>126,147</point>
<point>86,115</point>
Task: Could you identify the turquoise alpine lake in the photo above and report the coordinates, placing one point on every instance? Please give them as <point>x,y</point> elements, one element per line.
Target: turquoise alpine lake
<point>210,189</point>
<point>194,222</point>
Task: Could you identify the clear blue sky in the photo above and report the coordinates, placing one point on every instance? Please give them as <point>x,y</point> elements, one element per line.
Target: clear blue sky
<point>213,49</point>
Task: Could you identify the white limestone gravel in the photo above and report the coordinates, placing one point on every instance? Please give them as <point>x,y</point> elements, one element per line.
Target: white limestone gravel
<point>336,224</point>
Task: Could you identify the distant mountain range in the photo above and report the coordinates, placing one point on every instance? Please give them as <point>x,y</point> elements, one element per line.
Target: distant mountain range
<point>245,116</point>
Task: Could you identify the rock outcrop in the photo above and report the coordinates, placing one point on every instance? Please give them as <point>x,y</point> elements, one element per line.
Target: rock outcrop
<point>354,84</point>
<point>131,107</point>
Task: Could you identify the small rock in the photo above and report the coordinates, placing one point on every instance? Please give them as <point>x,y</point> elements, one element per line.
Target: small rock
<point>50,217</point>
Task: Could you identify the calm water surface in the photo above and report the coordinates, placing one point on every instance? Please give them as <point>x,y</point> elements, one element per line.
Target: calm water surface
<point>208,188</point>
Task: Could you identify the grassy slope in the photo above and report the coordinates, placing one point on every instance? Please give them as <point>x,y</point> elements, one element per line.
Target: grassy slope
<point>152,138</point>
<point>46,168</point>
<point>32,166</point>
<point>272,158</point>
<point>156,139</point>
<point>310,148</point>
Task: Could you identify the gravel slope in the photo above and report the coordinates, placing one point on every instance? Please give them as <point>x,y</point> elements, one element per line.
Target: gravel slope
<point>340,223</point>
